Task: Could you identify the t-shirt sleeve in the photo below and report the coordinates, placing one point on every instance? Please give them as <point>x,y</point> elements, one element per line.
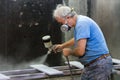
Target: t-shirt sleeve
<point>82,30</point>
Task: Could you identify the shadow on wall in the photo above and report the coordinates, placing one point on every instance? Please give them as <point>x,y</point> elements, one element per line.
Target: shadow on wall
<point>23,23</point>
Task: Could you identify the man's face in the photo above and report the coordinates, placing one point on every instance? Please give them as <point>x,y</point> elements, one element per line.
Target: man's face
<point>67,20</point>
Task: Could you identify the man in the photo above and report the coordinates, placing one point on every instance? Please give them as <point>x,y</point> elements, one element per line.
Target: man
<point>89,42</point>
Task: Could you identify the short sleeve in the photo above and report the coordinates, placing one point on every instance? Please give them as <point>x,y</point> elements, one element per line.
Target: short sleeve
<point>82,30</point>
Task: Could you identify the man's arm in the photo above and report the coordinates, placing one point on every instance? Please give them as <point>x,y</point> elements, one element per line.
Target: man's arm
<point>59,47</point>
<point>68,43</point>
<point>78,51</point>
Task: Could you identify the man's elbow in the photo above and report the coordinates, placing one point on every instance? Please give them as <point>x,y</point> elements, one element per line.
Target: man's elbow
<point>82,53</point>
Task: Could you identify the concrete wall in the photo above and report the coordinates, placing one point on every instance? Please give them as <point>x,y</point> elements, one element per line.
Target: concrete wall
<point>107,15</point>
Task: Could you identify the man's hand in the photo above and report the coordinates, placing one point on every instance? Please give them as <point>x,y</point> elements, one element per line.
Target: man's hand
<point>57,48</point>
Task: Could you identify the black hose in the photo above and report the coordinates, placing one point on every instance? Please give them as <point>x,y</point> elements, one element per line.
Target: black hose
<point>69,67</point>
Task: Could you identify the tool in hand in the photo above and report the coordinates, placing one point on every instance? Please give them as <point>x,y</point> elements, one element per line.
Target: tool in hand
<point>48,44</point>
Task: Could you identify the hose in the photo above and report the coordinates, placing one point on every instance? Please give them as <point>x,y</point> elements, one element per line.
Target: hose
<point>69,68</point>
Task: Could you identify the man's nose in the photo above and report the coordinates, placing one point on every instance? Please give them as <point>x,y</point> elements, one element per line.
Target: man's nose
<point>65,22</point>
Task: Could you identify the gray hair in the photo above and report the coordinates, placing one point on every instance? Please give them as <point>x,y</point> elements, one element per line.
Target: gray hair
<point>63,11</point>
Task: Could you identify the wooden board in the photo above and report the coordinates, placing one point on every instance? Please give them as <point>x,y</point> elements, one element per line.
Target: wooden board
<point>76,64</point>
<point>116,61</point>
<point>3,77</point>
<point>47,70</point>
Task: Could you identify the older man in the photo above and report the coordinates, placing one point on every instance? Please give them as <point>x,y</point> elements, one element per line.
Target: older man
<point>89,44</point>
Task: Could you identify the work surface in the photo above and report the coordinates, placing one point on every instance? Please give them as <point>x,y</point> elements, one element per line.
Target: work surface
<point>34,72</point>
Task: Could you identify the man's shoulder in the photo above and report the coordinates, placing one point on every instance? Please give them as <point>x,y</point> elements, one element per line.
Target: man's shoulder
<point>83,19</point>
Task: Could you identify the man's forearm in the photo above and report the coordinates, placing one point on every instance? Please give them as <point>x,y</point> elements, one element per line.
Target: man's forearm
<point>80,49</point>
<point>68,43</point>
<point>77,52</point>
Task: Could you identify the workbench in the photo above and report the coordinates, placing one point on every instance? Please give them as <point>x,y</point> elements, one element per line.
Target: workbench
<point>32,73</point>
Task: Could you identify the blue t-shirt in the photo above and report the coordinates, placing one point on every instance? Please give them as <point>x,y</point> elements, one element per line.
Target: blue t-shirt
<point>96,44</point>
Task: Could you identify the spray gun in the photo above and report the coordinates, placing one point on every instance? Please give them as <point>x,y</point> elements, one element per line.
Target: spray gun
<point>47,43</point>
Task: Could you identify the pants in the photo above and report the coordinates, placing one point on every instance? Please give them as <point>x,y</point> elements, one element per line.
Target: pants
<point>99,70</point>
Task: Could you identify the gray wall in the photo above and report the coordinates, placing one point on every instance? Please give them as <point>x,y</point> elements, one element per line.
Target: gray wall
<point>107,15</point>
